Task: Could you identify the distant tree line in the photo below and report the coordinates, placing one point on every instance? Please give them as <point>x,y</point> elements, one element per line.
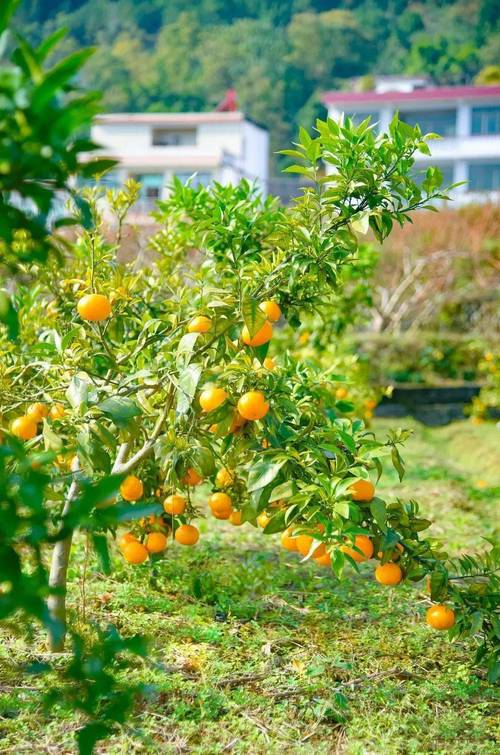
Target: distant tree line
<point>278,54</point>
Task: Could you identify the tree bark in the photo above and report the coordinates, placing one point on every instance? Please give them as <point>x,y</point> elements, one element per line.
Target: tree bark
<point>58,580</point>
<point>58,576</point>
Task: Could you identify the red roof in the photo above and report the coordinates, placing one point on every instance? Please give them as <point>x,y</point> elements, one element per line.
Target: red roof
<point>432,93</point>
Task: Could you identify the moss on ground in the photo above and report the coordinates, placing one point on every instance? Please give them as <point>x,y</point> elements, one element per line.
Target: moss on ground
<point>252,652</point>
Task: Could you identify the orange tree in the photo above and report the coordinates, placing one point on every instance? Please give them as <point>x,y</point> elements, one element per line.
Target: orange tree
<point>164,376</point>
<point>41,112</point>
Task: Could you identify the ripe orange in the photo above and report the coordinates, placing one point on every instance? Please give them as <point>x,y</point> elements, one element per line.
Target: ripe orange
<point>187,534</point>
<point>127,538</point>
<point>370,404</point>
<point>37,411</point>
<point>224,478</point>
<point>362,490</point>
<point>324,560</point>
<point>152,520</point>
<point>94,307</point>
<point>288,541</point>
<point>212,398</point>
<point>224,514</point>
<point>269,363</point>
<point>24,428</point>
<point>253,405</point>
<point>236,518</point>
<point>200,324</point>
<point>57,411</point>
<point>263,335</point>
<point>175,505</point>
<point>398,550</point>
<point>156,542</point>
<point>368,414</point>
<point>135,552</point>
<point>131,488</point>
<point>192,478</point>
<point>263,519</point>
<point>341,393</point>
<point>237,423</point>
<point>304,543</point>
<point>271,310</point>
<point>440,617</point>
<point>220,503</point>
<point>363,544</point>
<point>388,574</point>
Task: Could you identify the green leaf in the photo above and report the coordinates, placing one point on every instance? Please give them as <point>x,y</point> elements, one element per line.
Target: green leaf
<point>78,392</point>
<point>338,562</point>
<point>253,317</point>
<point>97,167</point>
<point>58,77</point>
<point>7,8</point>
<point>343,508</point>
<point>277,523</point>
<point>187,385</point>
<point>285,490</point>
<point>379,513</point>
<point>100,543</point>
<point>48,44</point>
<point>121,409</point>
<point>397,463</point>
<point>88,736</point>
<point>262,473</point>
<point>52,441</point>
<point>127,512</point>
<point>361,222</point>
<point>186,345</point>
<point>439,583</point>
<point>8,316</point>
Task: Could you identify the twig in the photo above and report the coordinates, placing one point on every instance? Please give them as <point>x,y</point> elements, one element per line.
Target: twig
<point>236,681</point>
<point>284,693</point>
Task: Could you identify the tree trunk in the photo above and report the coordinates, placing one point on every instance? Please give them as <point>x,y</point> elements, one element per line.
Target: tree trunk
<point>58,577</point>
<point>58,580</point>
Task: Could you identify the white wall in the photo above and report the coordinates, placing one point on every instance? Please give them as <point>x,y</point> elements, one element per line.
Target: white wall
<point>458,151</point>
<point>256,154</point>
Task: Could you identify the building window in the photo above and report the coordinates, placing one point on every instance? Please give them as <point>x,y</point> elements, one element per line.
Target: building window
<point>168,137</point>
<point>447,169</point>
<point>442,122</point>
<point>197,179</point>
<point>486,120</point>
<point>484,177</point>
<point>151,184</point>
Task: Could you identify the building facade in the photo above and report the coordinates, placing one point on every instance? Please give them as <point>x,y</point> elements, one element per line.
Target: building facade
<point>206,147</point>
<point>466,117</point>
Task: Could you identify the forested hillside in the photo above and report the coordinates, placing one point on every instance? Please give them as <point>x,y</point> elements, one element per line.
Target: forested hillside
<point>278,54</point>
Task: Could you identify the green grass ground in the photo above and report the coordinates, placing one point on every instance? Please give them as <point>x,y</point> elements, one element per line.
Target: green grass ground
<point>252,652</point>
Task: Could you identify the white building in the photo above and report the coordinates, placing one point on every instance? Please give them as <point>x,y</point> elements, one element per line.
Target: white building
<point>466,117</point>
<point>153,147</point>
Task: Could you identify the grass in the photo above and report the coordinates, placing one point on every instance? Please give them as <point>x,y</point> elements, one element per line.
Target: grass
<point>252,652</point>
